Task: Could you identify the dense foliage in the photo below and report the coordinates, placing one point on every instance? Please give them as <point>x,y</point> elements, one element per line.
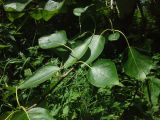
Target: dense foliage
<point>74,59</point>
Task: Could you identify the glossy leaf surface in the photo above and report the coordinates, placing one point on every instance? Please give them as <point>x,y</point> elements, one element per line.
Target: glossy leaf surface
<point>137,64</point>
<point>76,54</point>
<point>54,40</point>
<point>96,46</point>
<point>103,73</point>
<point>39,76</point>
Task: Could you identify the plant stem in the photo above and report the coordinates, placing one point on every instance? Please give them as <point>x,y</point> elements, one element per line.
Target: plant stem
<point>53,88</point>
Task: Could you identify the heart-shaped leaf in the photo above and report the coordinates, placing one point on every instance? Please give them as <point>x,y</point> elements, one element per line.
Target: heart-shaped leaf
<point>76,54</point>
<point>54,40</point>
<point>96,46</point>
<point>16,5</point>
<point>114,36</point>
<point>34,114</point>
<point>39,76</point>
<point>137,64</point>
<point>103,73</point>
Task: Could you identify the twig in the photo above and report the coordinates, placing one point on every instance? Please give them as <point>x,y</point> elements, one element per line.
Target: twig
<point>60,80</point>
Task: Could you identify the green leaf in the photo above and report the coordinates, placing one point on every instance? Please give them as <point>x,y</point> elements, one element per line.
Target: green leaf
<point>14,16</point>
<point>51,8</point>
<point>114,36</point>
<point>20,115</point>
<point>137,65</point>
<point>16,5</point>
<point>96,46</point>
<point>39,76</point>
<point>4,46</point>
<point>79,11</point>
<point>39,114</point>
<point>65,111</point>
<point>153,87</point>
<point>155,92</point>
<point>34,114</point>
<point>76,54</point>
<point>103,73</point>
<point>54,40</point>
<point>37,14</point>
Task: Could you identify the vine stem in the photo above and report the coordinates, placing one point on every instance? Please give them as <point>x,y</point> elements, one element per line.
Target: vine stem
<point>23,108</point>
<point>85,64</point>
<point>17,97</point>
<point>127,45</point>
<point>9,115</point>
<point>110,21</point>
<point>105,31</point>
<point>67,47</point>
<point>129,49</point>
<point>80,25</point>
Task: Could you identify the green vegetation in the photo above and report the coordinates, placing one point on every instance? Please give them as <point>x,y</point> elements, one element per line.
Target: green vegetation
<point>80,60</point>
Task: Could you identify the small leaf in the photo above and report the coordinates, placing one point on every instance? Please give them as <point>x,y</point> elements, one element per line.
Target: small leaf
<point>103,73</point>
<point>137,65</point>
<point>39,76</point>
<point>37,13</point>
<point>96,46</point>
<point>114,36</point>
<point>79,11</point>
<point>16,5</point>
<point>51,8</point>
<point>53,40</point>
<point>76,54</point>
